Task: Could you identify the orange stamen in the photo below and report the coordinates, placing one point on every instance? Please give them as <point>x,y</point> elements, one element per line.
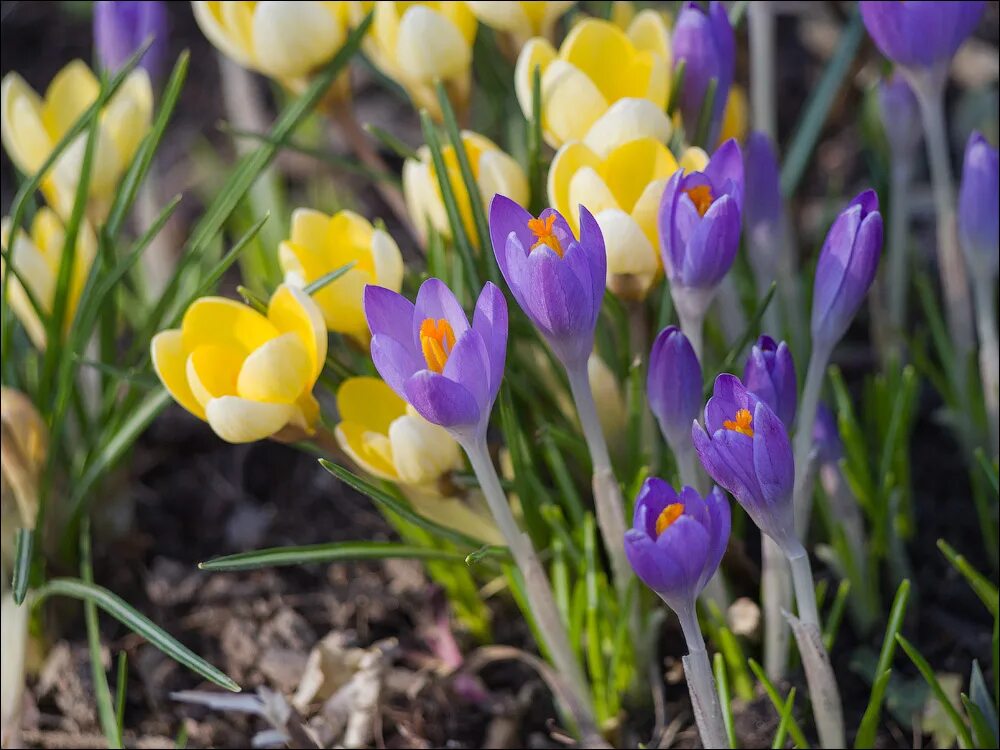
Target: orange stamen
<point>437,339</point>
<point>742,423</point>
<point>667,516</point>
<point>542,229</point>
<point>701,196</point>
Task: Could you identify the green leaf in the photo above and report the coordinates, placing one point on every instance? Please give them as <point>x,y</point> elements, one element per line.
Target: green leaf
<point>980,695</point>
<point>137,623</point>
<point>328,278</point>
<point>873,712</point>
<point>704,125</point>
<point>982,732</point>
<point>276,557</point>
<point>779,704</point>
<point>931,679</point>
<point>989,469</point>
<point>831,626</point>
<point>984,589</point>
<point>121,687</point>
<point>784,718</point>
<point>725,699</point>
<point>677,87</point>
<point>535,138</point>
<point>24,544</point>
<point>392,142</point>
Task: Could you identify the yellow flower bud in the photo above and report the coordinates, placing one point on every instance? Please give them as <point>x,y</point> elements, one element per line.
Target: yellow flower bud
<point>23,454</point>
<point>597,66</point>
<point>38,256</point>
<point>33,125</point>
<point>735,117</point>
<point>320,244</point>
<point>494,172</point>
<point>250,376</point>
<point>522,20</point>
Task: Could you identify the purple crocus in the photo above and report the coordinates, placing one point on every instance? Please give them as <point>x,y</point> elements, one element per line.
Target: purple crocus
<point>677,540</point>
<point>556,279</point>
<point>762,206</point>
<point>900,115</point>
<point>120,28</point>
<point>846,268</point>
<point>977,205</point>
<point>427,352</point>
<point>769,374</point>
<point>744,447</point>
<point>920,34</point>
<point>704,40</point>
<point>673,385</point>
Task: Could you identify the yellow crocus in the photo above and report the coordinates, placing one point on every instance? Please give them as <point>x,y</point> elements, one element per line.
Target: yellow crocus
<point>320,244</point>
<point>33,125</point>
<point>38,255</point>
<point>623,191</point>
<point>494,172</point>
<point>604,86</point>
<point>735,117</point>
<point>249,375</point>
<point>522,20</point>
<point>417,44</point>
<point>285,41</point>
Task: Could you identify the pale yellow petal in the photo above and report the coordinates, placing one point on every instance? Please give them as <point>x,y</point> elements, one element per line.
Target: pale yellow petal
<point>628,249</point>
<point>237,420</point>
<point>694,159</point>
<point>24,136</point>
<point>572,157</point>
<point>422,451</point>
<point>586,188</point>
<point>648,32</point>
<point>369,402</point>
<point>611,410</point>
<point>632,166</point>
<point>128,116</point>
<point>504,16</point>
<point>627,120</point>
<point>235,43</point>
<point>500,173</point>
<point>388,261</point>
<point>291,310</point>
<point>366,449</point>
<point>571,103</point>
<point>310,228</point>
<point>453,513</point>
<point>68,96</point>
<point>448,55</point>
<point>647,208</point>
<point>537,53</point>
<point>170,363</point>
<point>293,39</point>
<point>602,52</point>
<point>460,15</point>
<point>277,372</point>
<point>225,322</point>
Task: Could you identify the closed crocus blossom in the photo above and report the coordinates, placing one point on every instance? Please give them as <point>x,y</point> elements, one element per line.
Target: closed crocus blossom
<point>320,244</point>
<point>33,125</point>
<point>762,208</point>
<point>38,257</point>
<point>598,66</point>
<point>900,115</point>
<point>120,28</point>
<point>522,20</point>
<point>249,375</point>
<point>286,41</point>
<point>977,206</point>
<point>920,34</point>
<point>704,40</point>
<point>493,170</point>
<point>770,375</point>
<point>674,385</point>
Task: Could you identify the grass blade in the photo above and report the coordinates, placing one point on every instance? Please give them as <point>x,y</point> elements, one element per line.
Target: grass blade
<point>121,686</point>
<point>275,557</point>
<point>779,704</point>
<point>725,699</point>
<point>984,589</point>
<point>24,544</point>
<point>832,624</point>
<point>391,142</point>
<point>931,679</point>
<point>328,278</point>
<point>786,716</point>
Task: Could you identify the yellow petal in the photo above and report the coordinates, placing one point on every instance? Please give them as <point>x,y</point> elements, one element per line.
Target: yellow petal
<point>629,251</point>
<point>170,363</point>
<point>611,410</point>
<point>278,372</point>
<point>24,136</point>
<point>68,96</point>
<point>366,450</point>
<point>734,117</point>
<point>588,189</point>
<point>216,19</point>
<point>460,15</point>
<point>629,168</point>
<point>212,371</point>
<point>423,198</point>
<point>572,157</point>
<point>694,159</point>
<point>292,311</point>
<point>499,173</point>
<point>506,16</point>
<point>646,211</point>
<point>369,402</point>
<point>537,53</point>
<point>349,239</point>
<point>128,116</point>
<point>40,279</point>
<point>571,103</point>
<point>453,513</point>
<point>310,228</point>
<point>602,52</point>
<point>293,39</point>
<point>388,261</point>
<point>449,55</point>
<point>648,32</point>
<point>422,451</point>
<point>237,420</point>
<point>627,120</point>
<point>217,320</point>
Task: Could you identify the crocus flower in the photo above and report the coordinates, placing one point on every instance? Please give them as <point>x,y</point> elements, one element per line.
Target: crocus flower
<point>977,206</point>
<point>249,375</point>
<point>494,170</point>
<point>900,115</point>
<point>120,28</point>
<point>623,189</point>
<point>597,66</point>
<point>769,374</point>
<point>922,34</point>
<point>826,435</point>
<point>557,280</point>
<point>762,207</point>
<point>704,40</point>
<point>427,352</point>
<point>22,461</point>
<point>744,447</point>
<point>32,126</point>
<point>320,244</point>
<point>673,385</point>
<point>846,268</point>
<point>677,540</point>
<point>519,19</point>
<point>38,256</point>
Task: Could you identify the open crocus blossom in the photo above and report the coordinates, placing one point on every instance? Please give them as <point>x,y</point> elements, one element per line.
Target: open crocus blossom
<point>704,40</point>
<point>597,66</point>
<point>923,34</point>
<point>557,280</point>
<point>250,376</point>
<point>38,256</point>
<point>769,374</point>
<point>33,125</point>
<point>494,171</point>
<point>978,221</point>
<point>284,41</point>
<point>522,20</point>
<point>427,352</point>
<point>673,386</point>
<point>320,244</point>
<point>120,28</point>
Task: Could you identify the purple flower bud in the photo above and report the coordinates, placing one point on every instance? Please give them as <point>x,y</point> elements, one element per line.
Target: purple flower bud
<point>677,540</point>
<point>846,268</point>
<point>120,28</point>
<point>762,205</point>
<point>556,279</point>
<point>826,435</point>
<point>744,447</point>
<point>705,41</point>
<point>449,371</point>
<point>673,384</point>
<point>770,376</point>
<point>900,115</point>
<point>699,221</point>
<point>920,34</point>
<point>977,205</point>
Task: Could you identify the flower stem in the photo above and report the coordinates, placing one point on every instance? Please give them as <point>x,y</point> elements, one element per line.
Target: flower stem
<point>803,494</point>
<point>899,241</point>
<point>701,684</point>
<point>776,596</point>
<point>761,24</point>
<point>539,592</point>
<point>691,306</point>
<point>989,352</point>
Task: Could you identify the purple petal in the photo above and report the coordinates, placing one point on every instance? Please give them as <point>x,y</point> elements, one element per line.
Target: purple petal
<point>725,170</point>
<point>654,495</point>
<point>442,401</point>
<point>712,247</point>
<point>390,315</point>
<point>729,395</point>
<point>773,464</point>
<point>490,320</point>
<point>469,364</point>
<point>658,571</point>
<point>394,362</point>
<point>506,218</point>
<point>592,240</point>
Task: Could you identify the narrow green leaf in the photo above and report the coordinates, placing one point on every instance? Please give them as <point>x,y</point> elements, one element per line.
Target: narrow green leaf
<point>535,138</point>
<point>832,624</point>
<point>785,718</point>
<point>779,704</point>
<point>487,552</point>
<point>255,301</point>
<point>677,87</point>
<point>725,698</point>
<point>328,278</point>
<point>927,672</point>
<point>989,469</point>
<point>595,659</point>
<point>873,712</point>
<point>983,587</point>
<point>277,557</point>
<point>982,732</point>
<point>24,545</point>
<point>703,129</point>
<point>568,491</point>
<point>121,688</point>
<point>392,142</point>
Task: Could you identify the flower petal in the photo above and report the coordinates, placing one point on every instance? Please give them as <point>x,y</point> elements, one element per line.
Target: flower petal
<point>442,401</point>
<point>490,320</point>
<point>238,420</point>
<point>170,363</point>
<point>217,320</point>
<point>626,120</point>
<point>292,311</point>
<point>279,371</point>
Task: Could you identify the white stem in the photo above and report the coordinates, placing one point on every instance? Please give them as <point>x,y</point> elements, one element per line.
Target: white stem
<point>539,592</point>
<point>802,581</point>
<point>802,497</point>
<point>731,314</point>
<point>899,243</point>
<point>989,352</point>
<point>760,18</point>
<point>701,684</point>
<point>691,306</point>
<point>776,595</point>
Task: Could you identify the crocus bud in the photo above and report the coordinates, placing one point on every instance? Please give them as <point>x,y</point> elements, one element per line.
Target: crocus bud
<point>120,28</point>
<point>744,447</point>
<point>556,279</point>
<point>23,457</point>
<point>770,375</point>
<point>900,116</point>
<point>762,207</point>
<point>846,268</point>
<point>673,385</point>
<point>677,540</point>
<point>923,34</point>
<point>520,19</point>
<point>704,40</point>
<point>826,435</point>
<point>977,206</point>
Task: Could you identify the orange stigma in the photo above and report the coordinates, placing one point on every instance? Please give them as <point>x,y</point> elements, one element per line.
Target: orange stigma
<point>542,229</point>
<point>701,196</point>
<point>437,339</point>
<point>667,516</point>
<point>742,423</point>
